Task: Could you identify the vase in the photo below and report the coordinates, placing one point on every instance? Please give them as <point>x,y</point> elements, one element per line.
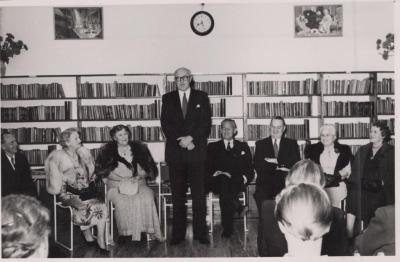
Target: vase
<point>3,69</point>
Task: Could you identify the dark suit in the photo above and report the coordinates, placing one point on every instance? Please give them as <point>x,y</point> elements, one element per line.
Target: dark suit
<point>269,180</point>
<point>18,181</point>
<point>187,165</point>
<point>238,163</point>
<point>379,236</point>
<point>361,202</point>
<point>271,241</point>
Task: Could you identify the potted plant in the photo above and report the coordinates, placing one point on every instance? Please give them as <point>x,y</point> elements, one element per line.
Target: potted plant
<point>8,48</point>
<point>387,46</point>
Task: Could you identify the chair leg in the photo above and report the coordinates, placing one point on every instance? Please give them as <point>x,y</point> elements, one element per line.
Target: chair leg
<point>211,206</point>
<point>165,217</point>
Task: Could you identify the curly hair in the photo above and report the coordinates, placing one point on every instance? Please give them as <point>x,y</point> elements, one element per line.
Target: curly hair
<point>385,131</point>
<point>24,226</point>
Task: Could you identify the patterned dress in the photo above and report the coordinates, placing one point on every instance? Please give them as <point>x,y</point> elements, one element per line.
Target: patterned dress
<point>85,213</point>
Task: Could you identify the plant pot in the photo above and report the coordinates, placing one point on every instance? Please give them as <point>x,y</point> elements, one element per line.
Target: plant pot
<point>3,68</point>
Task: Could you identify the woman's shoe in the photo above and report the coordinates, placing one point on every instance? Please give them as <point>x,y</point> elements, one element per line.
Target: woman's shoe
<point>91,243</point>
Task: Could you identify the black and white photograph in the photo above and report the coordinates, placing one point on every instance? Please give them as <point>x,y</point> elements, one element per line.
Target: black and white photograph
<point>318,20</point>
<point>215,129</point>
<point>78,23</point>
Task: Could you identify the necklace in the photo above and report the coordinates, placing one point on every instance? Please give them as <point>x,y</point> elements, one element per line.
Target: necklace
<point>73,157</point>
<point>124,151</point>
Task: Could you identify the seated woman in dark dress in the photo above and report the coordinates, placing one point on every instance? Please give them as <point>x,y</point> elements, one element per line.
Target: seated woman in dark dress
<point>272,243</point>
<point>371,183</point>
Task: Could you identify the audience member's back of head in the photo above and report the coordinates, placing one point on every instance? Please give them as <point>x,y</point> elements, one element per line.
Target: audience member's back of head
<point>24,227</point>
<point>304,214</point>
<point>305,171</point>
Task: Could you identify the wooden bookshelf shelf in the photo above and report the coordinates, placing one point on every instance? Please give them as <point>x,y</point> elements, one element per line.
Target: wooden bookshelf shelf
<point>236,102</point>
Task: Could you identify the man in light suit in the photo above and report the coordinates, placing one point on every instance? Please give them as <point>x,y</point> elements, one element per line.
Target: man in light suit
<point>230,170</point>
<point>186,123</point>
<point>16,175</point>
<point>273,158</point>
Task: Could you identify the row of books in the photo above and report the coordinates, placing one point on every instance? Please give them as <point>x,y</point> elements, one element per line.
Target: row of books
<point>211,87</point>
<point>36,157</point>
<point>352,130</point>
<point>37,113</point>
<point>385,86</point>
<point>219,109</point>
<point>139,133</point>
<point>349,108</point>
<point>276,88</point>
<point>284,109</point>
<point>215,132</point>
<point>32,91</point>
<point>348,87</point>
<point>301,150</point>
<point>115,89</point>
<point>27,135</point>
<point>256,132</point>
<point>120,112</point>
<point>385,106</point>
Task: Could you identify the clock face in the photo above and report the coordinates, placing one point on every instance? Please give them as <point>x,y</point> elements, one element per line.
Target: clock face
<point>202,23</point>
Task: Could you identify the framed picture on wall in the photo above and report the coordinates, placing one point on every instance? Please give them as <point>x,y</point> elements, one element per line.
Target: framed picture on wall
<point>78,23</point>
<point>318,20</point>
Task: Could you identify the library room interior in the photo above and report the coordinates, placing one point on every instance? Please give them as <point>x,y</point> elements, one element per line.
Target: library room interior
<point>197,128</point>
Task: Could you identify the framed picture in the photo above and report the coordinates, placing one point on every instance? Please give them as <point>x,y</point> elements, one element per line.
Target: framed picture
<point>318,20</point>
<point>78,23</point>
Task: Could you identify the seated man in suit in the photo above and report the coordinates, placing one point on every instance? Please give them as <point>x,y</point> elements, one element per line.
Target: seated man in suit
<point>273,158</point>
<point>16,175</point>
<point>230,169</point>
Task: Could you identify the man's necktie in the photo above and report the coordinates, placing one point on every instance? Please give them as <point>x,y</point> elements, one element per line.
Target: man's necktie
<point>228,147</point>
<point>13,160</point>
<point>276,149</point>
<point>184,104</point>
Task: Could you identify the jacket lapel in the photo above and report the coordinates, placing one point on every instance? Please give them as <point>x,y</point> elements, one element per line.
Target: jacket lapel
<point>177,102</point>
<point>191,104</point>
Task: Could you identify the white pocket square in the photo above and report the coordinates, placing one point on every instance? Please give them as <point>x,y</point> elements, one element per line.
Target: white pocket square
<point>198,106</point>
<point>242,153</point>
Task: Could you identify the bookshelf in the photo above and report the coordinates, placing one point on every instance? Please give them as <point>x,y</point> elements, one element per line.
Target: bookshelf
<point>37,108</point>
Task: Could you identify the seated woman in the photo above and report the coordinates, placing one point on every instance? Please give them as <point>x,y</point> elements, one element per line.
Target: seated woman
<point>70,173</point>
<point>371,184</point>
<point>270,240</point>
<point>334,159</point>
<point>304,215</point>
<point>25,227</point>
<point>125,166</point>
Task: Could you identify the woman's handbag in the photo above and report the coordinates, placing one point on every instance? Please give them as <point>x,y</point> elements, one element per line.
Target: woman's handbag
<point>89,192</point>
<point>128,187</point>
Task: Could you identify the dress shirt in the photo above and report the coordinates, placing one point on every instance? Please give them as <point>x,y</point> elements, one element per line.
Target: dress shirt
<point>9,159</point>
<point>328,159</point>
<point>181,95</point>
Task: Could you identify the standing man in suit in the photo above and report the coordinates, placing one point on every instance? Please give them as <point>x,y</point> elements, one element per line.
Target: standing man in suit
<point>186,123</point>
<point>273,158</point>
<point>15,170</point>
<point>230,169</point>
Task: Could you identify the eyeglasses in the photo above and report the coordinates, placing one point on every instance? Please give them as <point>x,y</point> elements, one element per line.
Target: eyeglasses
<point>181,78</point>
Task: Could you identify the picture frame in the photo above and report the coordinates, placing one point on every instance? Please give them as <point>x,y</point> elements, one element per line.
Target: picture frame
<point>318,20</point>
<point>78,23</point>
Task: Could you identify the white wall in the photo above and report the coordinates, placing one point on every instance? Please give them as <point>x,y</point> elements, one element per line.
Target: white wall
<point>158,38</point>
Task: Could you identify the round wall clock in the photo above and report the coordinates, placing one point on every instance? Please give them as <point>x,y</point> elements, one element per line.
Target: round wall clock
<point>202,23</point>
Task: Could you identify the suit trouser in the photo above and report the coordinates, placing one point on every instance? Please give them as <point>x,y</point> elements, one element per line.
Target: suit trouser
<point>182,174</point>
<point>228,192</point>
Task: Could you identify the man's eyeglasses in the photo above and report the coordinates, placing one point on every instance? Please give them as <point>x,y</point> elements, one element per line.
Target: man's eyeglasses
<point>181,78</point>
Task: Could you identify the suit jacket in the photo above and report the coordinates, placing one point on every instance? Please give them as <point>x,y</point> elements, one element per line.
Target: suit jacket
<point>386,170</point>
<point>238,162</point>
<point>197,124</point>
<point>379,235</point>
<point>269,179</point>
<point>18,181</point>
<point>271,241</point>
<point>314,152</point>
